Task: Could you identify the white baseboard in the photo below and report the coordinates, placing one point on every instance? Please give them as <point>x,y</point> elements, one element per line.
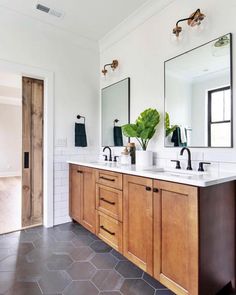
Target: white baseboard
<point>10,173</point>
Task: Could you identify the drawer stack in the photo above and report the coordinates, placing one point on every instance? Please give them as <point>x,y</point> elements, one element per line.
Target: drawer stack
<point>109,203</point>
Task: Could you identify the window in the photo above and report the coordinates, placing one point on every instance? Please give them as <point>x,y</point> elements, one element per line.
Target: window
<point>219,117</point>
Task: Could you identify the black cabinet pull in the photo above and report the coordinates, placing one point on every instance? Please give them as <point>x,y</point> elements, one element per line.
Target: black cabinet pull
<point>148,188</point>
<point>155,190</point>
<point>104,200</point>
<point>109,232</point>
<point>79,171</point>
<point>109,179</point>
<point>26,160</point>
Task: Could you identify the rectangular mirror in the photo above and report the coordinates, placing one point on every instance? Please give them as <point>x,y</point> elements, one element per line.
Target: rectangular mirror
<point>115,113</point>
<point>198,96</point>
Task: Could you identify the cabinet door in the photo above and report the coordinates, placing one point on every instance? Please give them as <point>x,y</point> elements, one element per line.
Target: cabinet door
<point>88,198</point>
<point>138,221</point>
<point>75,193</point>
<point>176,236</point>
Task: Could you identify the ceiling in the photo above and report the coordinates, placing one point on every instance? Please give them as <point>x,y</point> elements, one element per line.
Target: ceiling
<point>91,19</point>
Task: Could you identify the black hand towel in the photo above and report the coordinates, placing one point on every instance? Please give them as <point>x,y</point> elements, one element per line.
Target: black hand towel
<point>80,135</point>
<point>117,134</point>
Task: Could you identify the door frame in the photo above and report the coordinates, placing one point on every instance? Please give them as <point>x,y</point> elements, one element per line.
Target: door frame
<point>48,130</point>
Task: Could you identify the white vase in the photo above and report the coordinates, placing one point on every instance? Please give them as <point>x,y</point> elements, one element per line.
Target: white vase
<point>144,159</point>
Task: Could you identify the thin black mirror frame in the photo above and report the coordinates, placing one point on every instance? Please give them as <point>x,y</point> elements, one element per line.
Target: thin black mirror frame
<point>128,79</point>
<point>231,87</point>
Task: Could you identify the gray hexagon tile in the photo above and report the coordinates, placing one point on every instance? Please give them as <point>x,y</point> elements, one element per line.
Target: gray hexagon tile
<point>59,262</point>
<point>64,236</point>
<point>81,271</point>
<point>7,279</point>
<point>151,281</point>
<point>82,253</point>
<point>106,280</point>
<point>128,270</point>
<point>82,241</point>
<point>100,247</point>
<point>104,261</point>
<point>81,288</point>
<point>23,288</point>
<point>137,287</point>
<point>54,281</point>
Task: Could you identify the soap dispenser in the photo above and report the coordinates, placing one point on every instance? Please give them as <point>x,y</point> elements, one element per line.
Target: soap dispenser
<point>125,158</point>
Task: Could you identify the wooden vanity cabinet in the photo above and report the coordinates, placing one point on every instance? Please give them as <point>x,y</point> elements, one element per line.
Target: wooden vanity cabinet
<point>138,221</point>
<point>83,196</point>
<point>194,237</point>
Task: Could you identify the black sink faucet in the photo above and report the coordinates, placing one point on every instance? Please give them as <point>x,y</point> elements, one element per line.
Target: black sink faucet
<point>189,167</point>
<point>105,148</point>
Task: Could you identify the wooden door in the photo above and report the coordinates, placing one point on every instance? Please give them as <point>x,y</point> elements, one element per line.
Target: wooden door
<point>176,237</point>
<point>138,221</point>
<point>75,192</point>
<point>88,198</point>
<point>32,143</point>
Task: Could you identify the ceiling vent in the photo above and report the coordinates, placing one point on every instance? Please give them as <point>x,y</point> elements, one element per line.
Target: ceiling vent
<point>49,10</point>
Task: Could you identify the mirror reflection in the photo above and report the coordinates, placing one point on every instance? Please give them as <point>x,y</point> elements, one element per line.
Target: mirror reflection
<point>115,113</point>
<point>198,96</point>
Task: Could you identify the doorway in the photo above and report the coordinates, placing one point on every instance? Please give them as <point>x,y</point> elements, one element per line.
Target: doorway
<point>21,152</point>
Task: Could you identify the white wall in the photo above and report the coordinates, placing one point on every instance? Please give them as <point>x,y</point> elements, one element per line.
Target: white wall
<point>10,140</point>
<point>75,63</point>
<point>142,49</point>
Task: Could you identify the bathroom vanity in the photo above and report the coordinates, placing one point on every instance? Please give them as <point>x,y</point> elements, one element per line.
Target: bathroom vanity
<point>179,227</point>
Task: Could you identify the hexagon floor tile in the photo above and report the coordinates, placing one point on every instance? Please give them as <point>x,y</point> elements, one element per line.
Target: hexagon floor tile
<point>68,260</point>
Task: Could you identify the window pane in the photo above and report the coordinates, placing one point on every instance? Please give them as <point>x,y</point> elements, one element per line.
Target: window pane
<point>221,135</point>
<point>228,104</point>
<point>217,106</point>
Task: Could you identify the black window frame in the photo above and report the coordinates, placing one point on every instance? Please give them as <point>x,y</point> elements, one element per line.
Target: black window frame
<point>210,123</point>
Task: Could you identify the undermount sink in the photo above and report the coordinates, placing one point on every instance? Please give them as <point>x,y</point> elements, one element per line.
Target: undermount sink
<point>176,172</point>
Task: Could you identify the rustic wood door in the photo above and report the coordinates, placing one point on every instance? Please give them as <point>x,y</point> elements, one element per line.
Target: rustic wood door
<point>75,192</point>
<point>176,236</point>
<point>138,221</point>
<point>88,198</point>
<point>32,143</point>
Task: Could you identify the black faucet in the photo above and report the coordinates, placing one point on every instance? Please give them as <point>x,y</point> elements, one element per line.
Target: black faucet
<point>189,167</point>
<point>110,157</point>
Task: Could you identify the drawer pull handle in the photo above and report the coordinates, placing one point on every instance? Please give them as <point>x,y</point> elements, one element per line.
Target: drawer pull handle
<point>105,178</point>
<point>148,188</point>
<point>104,200</point>
<point>155,190</point>
<point>111,233</point>
<point>79,171</point>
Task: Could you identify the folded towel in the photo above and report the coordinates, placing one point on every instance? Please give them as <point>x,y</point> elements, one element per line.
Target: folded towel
<point>176,138</point>
<point>117,135</point>
<point>80,135</point>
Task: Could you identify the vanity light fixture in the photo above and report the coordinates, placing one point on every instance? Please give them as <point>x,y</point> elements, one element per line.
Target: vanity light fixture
<point>113,66</point>
<point>195,19</point>
<point>221,46</point>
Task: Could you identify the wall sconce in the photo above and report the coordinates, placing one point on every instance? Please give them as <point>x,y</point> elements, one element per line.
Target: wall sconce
<point>113,66</point>
<point>195,19</point>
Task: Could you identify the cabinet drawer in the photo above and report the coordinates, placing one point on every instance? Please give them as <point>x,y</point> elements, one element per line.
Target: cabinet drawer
<point>109,230</point>
<point>109,201</point>
<point>108,178</point>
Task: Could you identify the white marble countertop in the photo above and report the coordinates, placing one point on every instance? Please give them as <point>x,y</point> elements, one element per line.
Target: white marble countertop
<point>194,178</point>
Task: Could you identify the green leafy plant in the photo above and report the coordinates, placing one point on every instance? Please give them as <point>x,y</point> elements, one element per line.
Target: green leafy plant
<point>144,127</point>
<point>169,129</point>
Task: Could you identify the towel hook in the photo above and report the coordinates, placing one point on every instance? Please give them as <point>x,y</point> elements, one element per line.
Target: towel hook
<point>115,121</point>
<point>81,117</point>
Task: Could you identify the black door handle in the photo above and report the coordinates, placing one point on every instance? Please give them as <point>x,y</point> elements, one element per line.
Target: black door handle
<point>26,160</point>
<point>148,188</point>
<point>155,190</point>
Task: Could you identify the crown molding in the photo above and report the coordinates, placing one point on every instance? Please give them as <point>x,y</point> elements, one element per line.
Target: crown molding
<point>137,18</point>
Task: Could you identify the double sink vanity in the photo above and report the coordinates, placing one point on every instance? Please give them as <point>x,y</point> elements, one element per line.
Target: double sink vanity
<point>176,225</point>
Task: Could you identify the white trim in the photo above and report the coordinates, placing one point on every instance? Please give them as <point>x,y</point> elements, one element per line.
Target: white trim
<point>10,100</point>
<point>138,17</point>
<point>48,77</point>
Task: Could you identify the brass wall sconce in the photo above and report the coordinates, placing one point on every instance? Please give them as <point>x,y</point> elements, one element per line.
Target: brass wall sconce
<point>113,66</point>
<point>193,20</point>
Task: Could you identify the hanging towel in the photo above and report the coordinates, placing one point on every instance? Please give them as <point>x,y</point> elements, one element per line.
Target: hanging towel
<point>117,135</point>
<point>176,138</point>
<point>183,136</point>
<point>80,135</point>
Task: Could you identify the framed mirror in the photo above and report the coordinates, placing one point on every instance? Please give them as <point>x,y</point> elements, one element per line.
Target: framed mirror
<point>199,96</point>
<point>115,113</point>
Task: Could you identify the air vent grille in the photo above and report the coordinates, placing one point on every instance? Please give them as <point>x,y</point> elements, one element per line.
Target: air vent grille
<point>51,11</point>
